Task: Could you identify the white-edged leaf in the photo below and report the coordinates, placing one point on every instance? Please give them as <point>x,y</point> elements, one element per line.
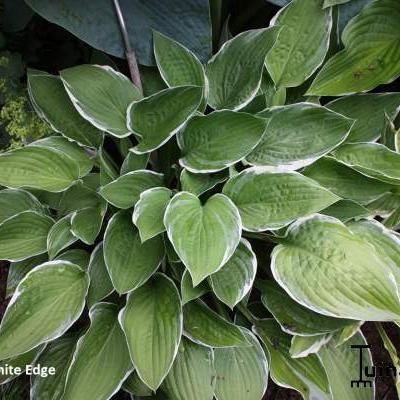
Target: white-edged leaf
<point>303,346</point>
<point>60,236</point>
<point>200,183</point>
<point>345,210</point>
<point>79,257</point>
<point>190,292</point>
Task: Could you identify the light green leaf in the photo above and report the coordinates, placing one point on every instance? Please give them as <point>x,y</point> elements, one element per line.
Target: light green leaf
<point>101,95</point>
<point>318,249</point>
<point>345,210</point>
<point>306,375</point>
<point>39,168</point>
<point>303,346</point>
<point>271,200</point>
<point>34,315</point>
<point>188,292</point>
<point>192,375</point>
<point>384,205</point>
<point>24,235</point>
<point>148,214</point>
<point>235,279</point>
<point>52,103</point>
<point>206,327</point>
<point>204,236</point>
<point>15,201</point>
<point>302,43</point>
<point>133,162</point>
<point>157,118</point>
<point>129,262</point>
<point>124,192</point>
<point>345,182</point>
<point>370,57</point>
<point>100,282</point>
<point>200,183</point>
<point>213,142</point>
<point>155,308</point>
<point>294,318</point>
<point>297,135</point>
<point>370,111</point>
<point>235,72</point>
<point>371,159</point>
<point>242,372</point>
<point>103,344</point>
<point>60,236</point>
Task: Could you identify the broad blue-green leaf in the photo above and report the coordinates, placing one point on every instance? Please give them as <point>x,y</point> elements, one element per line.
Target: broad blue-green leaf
<point>84,19</point>
<point>133,162</point>
<point>129,262</point>
<point>154,308</point>
<point>192,375</point>
<point>58,354</point>
<point>302,43</point>
<point>60,236</point>
<point>15,201</point>
<point>315,252</point>
<point>124,192</point>
<point>39,168</point>
<point>297,135</point>
<point>371,159</point>
<point>204,236</point>
<point>271,200</point>
<point>242,372</point>
<point>370,57</point>
<point>206,327</point>
<point>24,235</point>
<point>149,211</point>
<point>100,282</point>
<point>52,103</point>
<point>370,111</point>
<point>213,142</point>
<point>102,345</point>
<point>235,279</point>
<point>306,375</point>
<point>34,315</point>
<point>200,183</point>
<point>234,73</point>
<point>188,292</point>
<point>157,118</point>
<point>101,95</point>
<point>346,182</point>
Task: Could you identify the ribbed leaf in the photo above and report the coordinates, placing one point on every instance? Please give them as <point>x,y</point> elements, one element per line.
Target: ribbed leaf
<point>86,223</point>
<point>133,162</point>
<point>200,183</point>
<point>129,262</point>
<point>79,257</point>
<point>188,292</point>
<point>271,200</point>
<point>60,236</point>
<point>134,385</point>
<point>34,315</point>
<point>154,308</point>
<point>204,236</point>
<point>345,210</point>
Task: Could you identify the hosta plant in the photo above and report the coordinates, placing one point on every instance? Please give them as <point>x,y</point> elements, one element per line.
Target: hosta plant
<point>236,224</point>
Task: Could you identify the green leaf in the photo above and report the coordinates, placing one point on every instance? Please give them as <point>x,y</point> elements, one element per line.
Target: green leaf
<point>241,59</point>
<point>206,327</point>
<point>58,354</point>
<point>133,162</point>
<point>157,118</point>
<point>124,192</point>
<point>79,257</point>
<point>101,95</point>
<point>306,375</point>
<point>52,103</point>
<point>188,292</point>
<point>345,182</point>
<point>319,248</point>
<point>204,236</point>
<point>303,346</point>
<point>215,141</point>
<point>34,315</point>
<point>370,57</point>
<point>155,308</point>
<point>149,212</point>
<point>100,282</point>
<point>24,235</point>
<point>235,279</point>
<point>242,372</point>
<point>345,210</point>
<point>200,183</point>
<point>302,43</point>
<point>129,262</point>
<point>39,168</point>
<point>297,135</point>
<point>134,385</point>
<point>60,236</point>
<point>371,159</point>
<point>15,201</point>
<point>294,318</point>
<point>271,200</point>
<point>331,3</point>
<point>370,111</point>
<point>192,375</point>
<point>102,344</point>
